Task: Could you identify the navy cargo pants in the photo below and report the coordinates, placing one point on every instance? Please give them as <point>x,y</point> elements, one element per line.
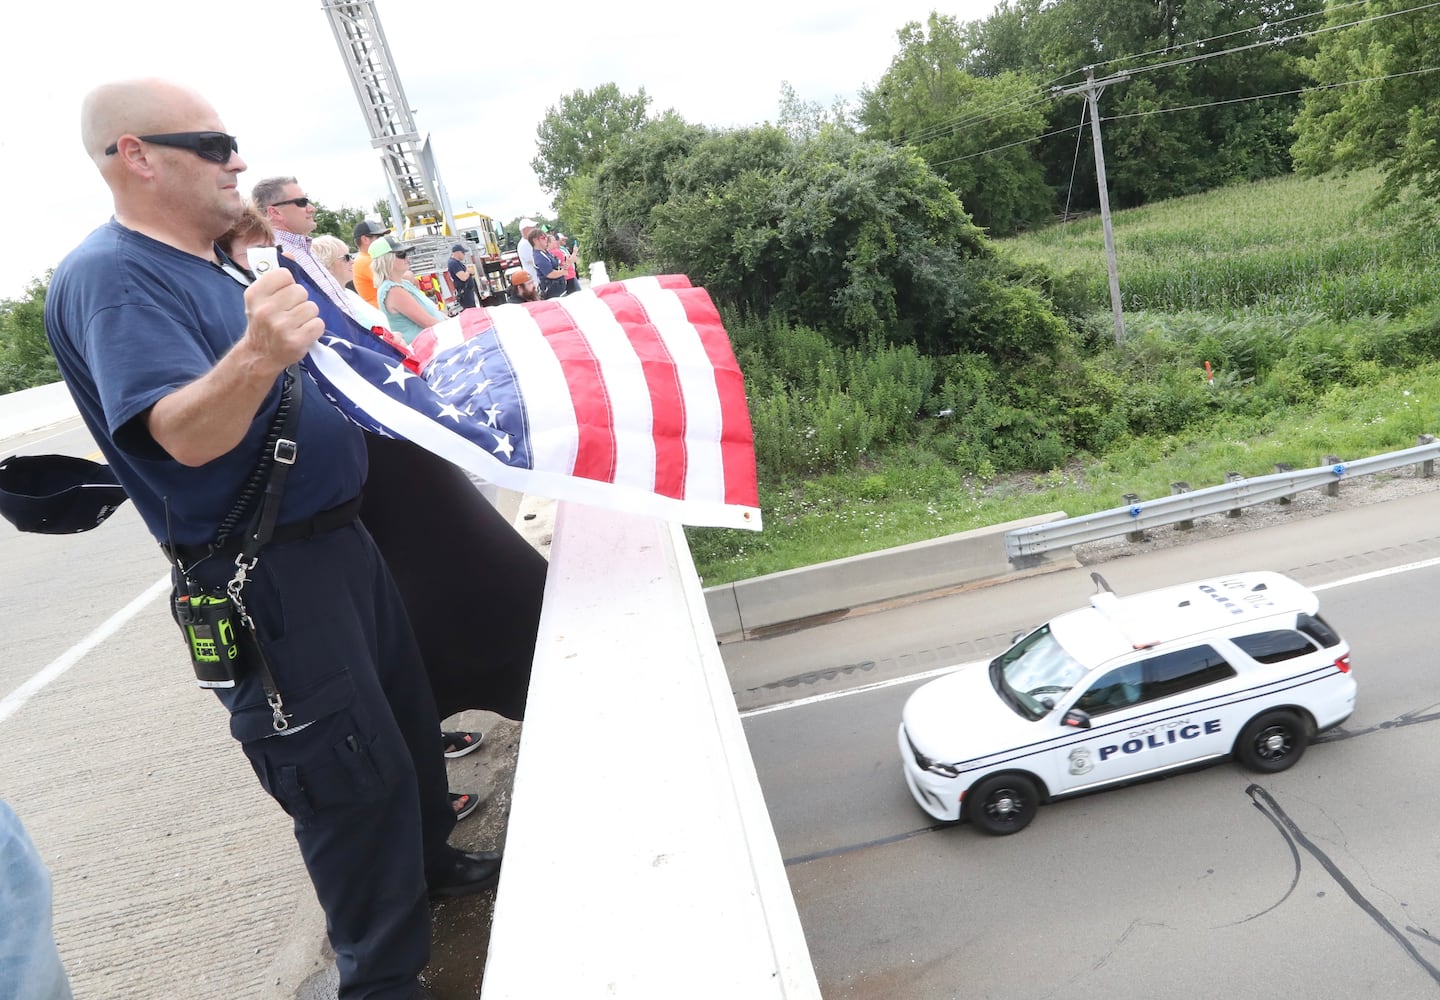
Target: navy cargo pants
<point>359,770</point>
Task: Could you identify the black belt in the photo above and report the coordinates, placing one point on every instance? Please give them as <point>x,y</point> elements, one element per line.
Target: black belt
<point>327,520</point>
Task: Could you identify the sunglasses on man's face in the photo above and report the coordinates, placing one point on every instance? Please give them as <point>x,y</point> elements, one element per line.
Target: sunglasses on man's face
<point>213,146</point>
<point>297,202</point>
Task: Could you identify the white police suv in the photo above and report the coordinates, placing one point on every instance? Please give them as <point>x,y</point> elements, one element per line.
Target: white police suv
<point>1128,688</point>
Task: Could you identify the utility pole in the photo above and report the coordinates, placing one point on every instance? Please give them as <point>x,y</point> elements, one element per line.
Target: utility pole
<point>1092,90</point>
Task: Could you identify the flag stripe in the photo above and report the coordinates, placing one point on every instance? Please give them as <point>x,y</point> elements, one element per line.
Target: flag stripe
<point>737,437</point>
<point>662,387</point>
<point>589,394</point>
<point>629,395</point>
<point>703,423</point>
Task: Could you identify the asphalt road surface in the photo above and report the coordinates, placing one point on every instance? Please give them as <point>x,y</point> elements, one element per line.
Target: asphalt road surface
<point>1321,881</point>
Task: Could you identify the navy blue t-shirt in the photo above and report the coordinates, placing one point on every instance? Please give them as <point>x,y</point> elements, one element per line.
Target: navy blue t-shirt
<point>464,290</point>
<point>132,320</point>
<point>544,264</point>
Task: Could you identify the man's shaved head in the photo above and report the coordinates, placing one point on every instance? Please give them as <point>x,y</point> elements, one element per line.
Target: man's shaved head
<point>170,192</point>
<point>135,107</point>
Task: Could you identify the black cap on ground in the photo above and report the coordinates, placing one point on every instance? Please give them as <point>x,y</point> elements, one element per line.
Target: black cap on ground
<point>57,494</point>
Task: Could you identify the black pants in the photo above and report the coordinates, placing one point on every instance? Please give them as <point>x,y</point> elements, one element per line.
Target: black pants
<point>361,772</point>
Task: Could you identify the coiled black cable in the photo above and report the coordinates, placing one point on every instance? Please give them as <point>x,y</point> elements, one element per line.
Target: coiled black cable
<point>245,503</point>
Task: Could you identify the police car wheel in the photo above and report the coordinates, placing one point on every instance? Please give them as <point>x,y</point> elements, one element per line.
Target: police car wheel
<point>1272,742</point>
<point>1002,803</point>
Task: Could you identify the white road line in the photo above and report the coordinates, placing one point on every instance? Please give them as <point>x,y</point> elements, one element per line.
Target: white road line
<point>862,689</point>
<point>13,701</point>
<point>942,671</point>
<point>1377,574</point>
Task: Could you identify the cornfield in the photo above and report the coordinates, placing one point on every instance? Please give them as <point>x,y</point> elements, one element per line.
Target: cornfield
<point>1293,244</point>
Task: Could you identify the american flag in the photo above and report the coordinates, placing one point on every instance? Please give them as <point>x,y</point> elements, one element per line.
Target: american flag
<point>626,397</point>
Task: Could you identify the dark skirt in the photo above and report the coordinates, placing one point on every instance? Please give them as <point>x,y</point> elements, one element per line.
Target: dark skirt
<point>472,584</point>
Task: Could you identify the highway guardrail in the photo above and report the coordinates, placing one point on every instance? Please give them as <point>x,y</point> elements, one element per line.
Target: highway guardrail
<point>1027,543</point>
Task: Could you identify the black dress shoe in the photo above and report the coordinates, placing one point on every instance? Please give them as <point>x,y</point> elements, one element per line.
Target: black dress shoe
<point>469,872</point>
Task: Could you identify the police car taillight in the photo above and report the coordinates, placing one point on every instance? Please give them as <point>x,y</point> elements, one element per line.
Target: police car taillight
<point>1343,664</point>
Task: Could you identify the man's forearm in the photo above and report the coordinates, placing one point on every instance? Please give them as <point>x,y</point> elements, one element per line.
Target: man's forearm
<point>207,418</point>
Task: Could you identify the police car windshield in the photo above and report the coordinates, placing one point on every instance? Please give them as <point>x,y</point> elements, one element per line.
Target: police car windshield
<point>1037,667</point>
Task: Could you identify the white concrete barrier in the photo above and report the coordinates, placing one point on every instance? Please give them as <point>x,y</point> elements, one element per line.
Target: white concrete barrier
<point>31,409</point>
<point>750,606</point>
<point>640,862</point>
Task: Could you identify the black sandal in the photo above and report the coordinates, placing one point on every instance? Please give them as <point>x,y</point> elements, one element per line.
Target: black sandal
<point>459,744</point>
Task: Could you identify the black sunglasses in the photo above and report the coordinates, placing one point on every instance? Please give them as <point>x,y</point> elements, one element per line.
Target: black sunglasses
<point>297,202</point>
<point>402,254</point>
<point>213,146</point>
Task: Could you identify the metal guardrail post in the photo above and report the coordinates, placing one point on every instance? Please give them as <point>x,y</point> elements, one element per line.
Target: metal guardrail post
<point>1427,467</point>
<point>1231,478</point>
<point>1132,500</point>
<point>1176,489</point>
<point>1284,467</point>
<point>1332,488</point>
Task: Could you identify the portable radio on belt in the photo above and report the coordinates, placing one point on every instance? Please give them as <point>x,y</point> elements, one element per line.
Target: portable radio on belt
<point>215,624</point>
<point>208,624</point>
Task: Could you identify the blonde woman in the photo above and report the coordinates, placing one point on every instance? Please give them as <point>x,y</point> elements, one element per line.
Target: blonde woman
<point>335,257</point>
<point>406,307</point>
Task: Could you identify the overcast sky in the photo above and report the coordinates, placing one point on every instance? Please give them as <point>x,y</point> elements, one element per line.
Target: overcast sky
<point>272,70</point>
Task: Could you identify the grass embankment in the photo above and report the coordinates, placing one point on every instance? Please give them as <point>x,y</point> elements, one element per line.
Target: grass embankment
<point>1296,290</point>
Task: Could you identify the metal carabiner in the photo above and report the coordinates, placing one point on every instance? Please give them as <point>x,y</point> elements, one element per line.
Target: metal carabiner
<point>281,721</point>
<point>237,584</point>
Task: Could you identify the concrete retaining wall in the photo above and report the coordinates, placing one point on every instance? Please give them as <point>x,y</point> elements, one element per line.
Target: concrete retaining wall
<point>748,606</point>
<point>31,409</point>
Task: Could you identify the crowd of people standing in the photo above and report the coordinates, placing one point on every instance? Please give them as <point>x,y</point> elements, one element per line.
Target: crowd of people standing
<point>547,265</point>
<point>375,283</point>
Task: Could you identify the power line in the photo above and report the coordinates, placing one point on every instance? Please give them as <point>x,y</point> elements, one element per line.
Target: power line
<point>941,129</point>
<point>1283,93</point>
<point>1074,161</point>
<point>1189,107</point>
<point>1010,145</point>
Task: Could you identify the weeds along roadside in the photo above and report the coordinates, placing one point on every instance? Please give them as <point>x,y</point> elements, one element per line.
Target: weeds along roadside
<point>863,449</point>
<point>909,496</point>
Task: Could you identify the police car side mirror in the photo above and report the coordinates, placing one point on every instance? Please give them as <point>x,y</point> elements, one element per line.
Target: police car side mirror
<point>1076,719</point>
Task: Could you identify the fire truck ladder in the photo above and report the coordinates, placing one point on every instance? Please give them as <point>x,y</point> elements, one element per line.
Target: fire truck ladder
<point>416,194</point>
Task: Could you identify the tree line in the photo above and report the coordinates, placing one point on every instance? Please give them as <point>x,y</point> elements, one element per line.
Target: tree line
<point>874,220</point>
